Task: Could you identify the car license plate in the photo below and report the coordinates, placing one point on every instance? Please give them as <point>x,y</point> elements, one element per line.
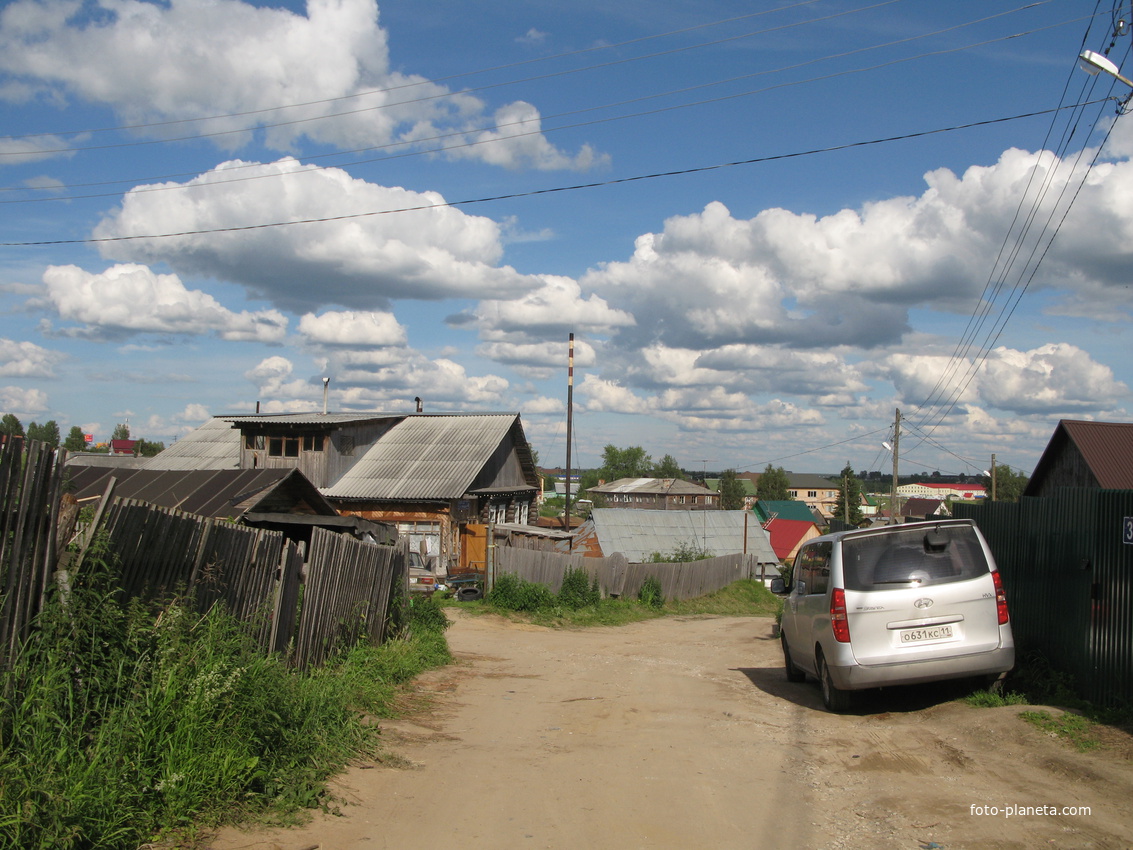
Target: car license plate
<point>925,634</point>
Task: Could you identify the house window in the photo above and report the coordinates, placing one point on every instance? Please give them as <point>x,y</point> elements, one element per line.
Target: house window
<point>313,443</point>
<point>811,494</point>
<point>254,441</point>
<point>283,447</point>
<point>497,512</point>
<point>346,445</point>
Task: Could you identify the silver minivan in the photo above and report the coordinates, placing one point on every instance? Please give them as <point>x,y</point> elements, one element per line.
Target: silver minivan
<point>896,605</point>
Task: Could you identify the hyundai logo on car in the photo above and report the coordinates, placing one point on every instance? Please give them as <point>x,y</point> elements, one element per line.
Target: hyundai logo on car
<point>923,603</point>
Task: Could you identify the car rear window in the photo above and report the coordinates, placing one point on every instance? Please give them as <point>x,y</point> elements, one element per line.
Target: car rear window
<point>921,554</point>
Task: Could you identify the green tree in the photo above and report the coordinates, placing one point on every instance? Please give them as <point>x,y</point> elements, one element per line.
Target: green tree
<point>121,431</point>
<point>731,491</point>
<point>668,468</point>
<point>33,431</point>
<point>49,433</point>
<point>631,462</point>
<point>773,486</point>
<point>849,504</point>
<point>146,448</point>
<point>1009,485</point>
<point>76,441</point>
<point>11,426</point>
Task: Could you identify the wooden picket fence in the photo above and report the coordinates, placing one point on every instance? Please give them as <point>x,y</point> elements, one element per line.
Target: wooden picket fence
<point>30,479</point>
<point>345,585</point>
<point>617,577</point>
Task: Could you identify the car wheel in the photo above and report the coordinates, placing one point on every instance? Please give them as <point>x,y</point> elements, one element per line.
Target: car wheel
<point>794,674</point>
<point>468,594</point>
<point>835,700</point>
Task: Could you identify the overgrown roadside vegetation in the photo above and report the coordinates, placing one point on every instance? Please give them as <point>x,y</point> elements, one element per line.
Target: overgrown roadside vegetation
<point>120,725</point>
<point>1034,681</point>
<point>579,604</point>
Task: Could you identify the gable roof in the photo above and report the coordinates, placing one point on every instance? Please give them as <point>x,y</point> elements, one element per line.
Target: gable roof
<point>638,534</point>
<point>809,481</point>
<point>783,509</point>
<point>747,484</point>
<point>921,506</point>
<point>1105,447</point>
<point>214,445</point>
<point>786,534</point>
<point>432,457</point>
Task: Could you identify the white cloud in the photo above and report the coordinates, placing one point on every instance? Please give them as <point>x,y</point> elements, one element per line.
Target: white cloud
<point>1052,379</point>
<point>22,401</point>
<point>352,329</point>
<point>532,37</point>
<point>131,298</point>
<point>556,308</point>
<point>229,57</point>
<point>27,360</point>
<point>18,151</point>
<point>361,263</point>
<point>517,141</point>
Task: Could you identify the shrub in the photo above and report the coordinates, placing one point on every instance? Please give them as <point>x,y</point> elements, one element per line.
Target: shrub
<point>651,593</point>
<point>512,593</point>
<point>577,591</point>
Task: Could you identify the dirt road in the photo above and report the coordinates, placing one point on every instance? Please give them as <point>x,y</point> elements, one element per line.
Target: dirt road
<point>683,733</point>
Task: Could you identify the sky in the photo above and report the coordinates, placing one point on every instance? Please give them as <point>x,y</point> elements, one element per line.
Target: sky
<point>769,225</point>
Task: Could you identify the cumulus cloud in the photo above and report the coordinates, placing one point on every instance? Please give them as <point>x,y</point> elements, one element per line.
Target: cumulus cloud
<point>555,308</point>
<point>230,57</point>
<point>361,263</point>
<point>370,329</point>
<point>129,298</point>
<point>27,360</point>
<point>1052,379</point>
<point>22,401</point>
<point>19,151</point>
<point>516,141</point>
<point>850,278</point>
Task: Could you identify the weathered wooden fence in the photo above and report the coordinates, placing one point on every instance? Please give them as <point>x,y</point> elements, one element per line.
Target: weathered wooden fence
<point>256,573</point>
<point>30,475</point>
<point>617,577</point>
<point>1068,573</point>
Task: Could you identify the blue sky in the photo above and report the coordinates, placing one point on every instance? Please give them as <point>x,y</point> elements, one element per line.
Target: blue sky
<point>207,205</point>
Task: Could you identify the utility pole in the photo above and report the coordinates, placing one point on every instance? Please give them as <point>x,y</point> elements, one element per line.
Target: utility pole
<point>896,449</point>
<point>570,416</point>
<point>993,476</point>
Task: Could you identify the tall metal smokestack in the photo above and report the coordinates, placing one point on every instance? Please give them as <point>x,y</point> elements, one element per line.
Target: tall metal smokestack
<point>326,393</point>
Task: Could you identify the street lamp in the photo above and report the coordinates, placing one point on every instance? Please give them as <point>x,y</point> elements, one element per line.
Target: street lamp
<point>1095,63</point>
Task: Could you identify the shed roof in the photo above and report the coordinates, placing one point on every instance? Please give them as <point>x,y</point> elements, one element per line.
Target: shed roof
<point>784,509</point>
<point>637,534</point>
<point>431,457</point>
<point>210,492</point>
<point>786,534</point>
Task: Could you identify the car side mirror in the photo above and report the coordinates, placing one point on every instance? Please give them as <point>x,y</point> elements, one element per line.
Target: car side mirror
<point>778,586</point>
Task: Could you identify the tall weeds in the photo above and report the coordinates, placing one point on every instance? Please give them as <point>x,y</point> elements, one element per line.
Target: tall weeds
<point>120,722</point>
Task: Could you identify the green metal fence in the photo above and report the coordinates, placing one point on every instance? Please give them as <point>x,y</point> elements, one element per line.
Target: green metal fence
<point>1068,572</point>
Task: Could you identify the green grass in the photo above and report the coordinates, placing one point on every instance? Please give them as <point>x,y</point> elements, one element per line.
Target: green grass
<point>121,724</point>
<point>991,699</point>
<point>528,602</point>
<point>1074,728</point>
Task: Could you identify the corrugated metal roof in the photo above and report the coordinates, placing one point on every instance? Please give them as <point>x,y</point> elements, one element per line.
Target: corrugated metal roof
<point>1108,449</point>
<point>674,486</point>
<point>638,534</point>
<point>312,418</point>
<point>215,445</point>
<point>425,457</point>
<point>211,493</point>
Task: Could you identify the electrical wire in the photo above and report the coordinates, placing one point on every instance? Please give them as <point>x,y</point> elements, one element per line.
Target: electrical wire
<point>536,192</point>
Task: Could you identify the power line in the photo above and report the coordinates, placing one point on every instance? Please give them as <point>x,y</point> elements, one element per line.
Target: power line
<point>536,192</point>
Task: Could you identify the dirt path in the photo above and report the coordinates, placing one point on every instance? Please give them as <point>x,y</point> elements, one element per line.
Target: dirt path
<point>683,733</point>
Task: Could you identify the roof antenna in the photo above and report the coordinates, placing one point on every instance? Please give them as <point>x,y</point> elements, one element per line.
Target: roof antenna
<point>326,386</point>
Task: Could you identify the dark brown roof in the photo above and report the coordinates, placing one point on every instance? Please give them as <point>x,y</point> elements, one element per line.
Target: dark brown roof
<point>1106,448</point>
<point>227,493</point>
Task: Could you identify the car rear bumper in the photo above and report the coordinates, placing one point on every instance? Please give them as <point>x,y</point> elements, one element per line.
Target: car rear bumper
<point>855,677</point>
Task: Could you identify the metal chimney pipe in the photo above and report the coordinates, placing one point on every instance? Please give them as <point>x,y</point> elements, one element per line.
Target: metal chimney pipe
<point>420,405</point>
<point>326,386</point>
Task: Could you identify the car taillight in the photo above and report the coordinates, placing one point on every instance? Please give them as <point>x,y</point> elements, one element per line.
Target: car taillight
<point>838,620</point>
<point>1000,598</point>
